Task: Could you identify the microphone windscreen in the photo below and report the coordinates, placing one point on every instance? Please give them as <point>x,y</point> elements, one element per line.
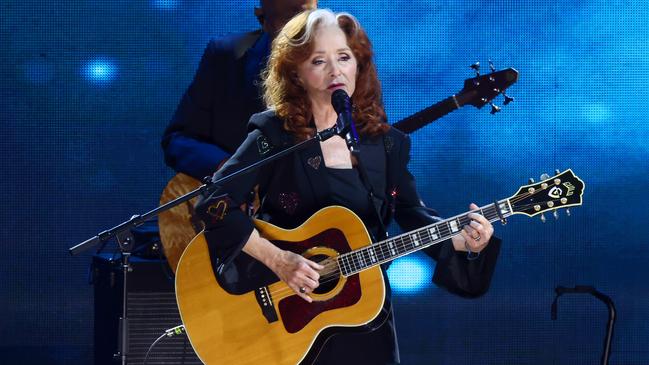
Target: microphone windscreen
<point>340,101</point>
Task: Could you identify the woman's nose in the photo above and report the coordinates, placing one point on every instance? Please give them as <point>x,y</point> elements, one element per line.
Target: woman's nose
<point>335,69</point>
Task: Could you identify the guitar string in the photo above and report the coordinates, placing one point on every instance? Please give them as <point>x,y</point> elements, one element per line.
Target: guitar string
<point>355,261</point>
<point>335,273</point>
<point>444,225</point>
<point>335,265</point>
<point>357,255</point>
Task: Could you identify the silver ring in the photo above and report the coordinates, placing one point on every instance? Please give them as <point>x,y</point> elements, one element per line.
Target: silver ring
<point>302,290</point>
<point>477,238</point>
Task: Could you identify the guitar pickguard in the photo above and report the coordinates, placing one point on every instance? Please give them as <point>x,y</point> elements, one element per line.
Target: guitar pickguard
<point>295,311</point>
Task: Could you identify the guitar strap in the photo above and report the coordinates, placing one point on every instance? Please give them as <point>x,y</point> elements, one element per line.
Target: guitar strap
<point>370,191</point>
<point>387,307</point>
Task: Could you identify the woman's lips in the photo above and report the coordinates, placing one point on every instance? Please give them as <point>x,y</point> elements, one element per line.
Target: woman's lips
<point>335,86</point>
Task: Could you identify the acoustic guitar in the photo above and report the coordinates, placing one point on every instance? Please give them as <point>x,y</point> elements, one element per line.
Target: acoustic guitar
<point>178,227</point>
<point>272,325</point>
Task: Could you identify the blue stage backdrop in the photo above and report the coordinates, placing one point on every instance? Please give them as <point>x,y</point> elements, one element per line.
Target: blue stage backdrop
<point>88,87</point>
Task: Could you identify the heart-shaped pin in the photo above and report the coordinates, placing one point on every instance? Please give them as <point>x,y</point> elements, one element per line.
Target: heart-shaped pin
<point>314,162</point>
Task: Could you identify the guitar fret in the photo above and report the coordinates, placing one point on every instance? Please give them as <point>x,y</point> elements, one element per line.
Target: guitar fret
<point>388,250</point>
<point>393,252</point>
<point>346,264</point>
<point>341,264</point>
<point>434,232</point>
<point>357,260</point>
<point>453,226</point>
<point>366,258</point>
<point>371,259</point>
<point>362,260</point>
<point>464,221</point>
<point>380,251</point>
<point>405,243</point>
<point>415,240</point>
<point>398,243</point>
<point>372,255</point>
<point>504,209</point>
<point>352,262</point>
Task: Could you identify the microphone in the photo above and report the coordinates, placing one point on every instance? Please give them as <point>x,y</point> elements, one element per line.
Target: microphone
<point>345,124</point>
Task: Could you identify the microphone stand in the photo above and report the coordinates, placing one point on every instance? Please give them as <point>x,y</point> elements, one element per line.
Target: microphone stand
<point>122,232</point>
<point>587,289</point>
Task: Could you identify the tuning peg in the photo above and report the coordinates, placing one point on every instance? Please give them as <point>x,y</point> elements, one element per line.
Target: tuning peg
<point>508,99</point>
<point>494,108</point>
<point>531,180</point>
<point>491,66</point>
<point>543,217</point>
<point>476,68</point>
<point>555,214</point>
<point>557,172</point>
<point>568,212</point>
<point>545,177</point>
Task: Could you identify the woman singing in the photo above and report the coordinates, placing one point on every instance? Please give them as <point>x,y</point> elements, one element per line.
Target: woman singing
<point>316,53</point>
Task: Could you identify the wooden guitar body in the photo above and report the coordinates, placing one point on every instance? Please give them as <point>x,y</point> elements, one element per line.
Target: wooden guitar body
<point>234,329</point>
<point>178,225</point>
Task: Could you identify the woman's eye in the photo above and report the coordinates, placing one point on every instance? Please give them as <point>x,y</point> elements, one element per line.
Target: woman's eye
<point>317,62</point>
<point>344,57</point>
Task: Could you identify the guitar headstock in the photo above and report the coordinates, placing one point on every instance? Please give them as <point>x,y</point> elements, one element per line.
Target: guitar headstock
<point>563,190</point>
<point>482,89</point>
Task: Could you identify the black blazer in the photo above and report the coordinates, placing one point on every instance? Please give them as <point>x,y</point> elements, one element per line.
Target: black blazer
<point>293,188</point>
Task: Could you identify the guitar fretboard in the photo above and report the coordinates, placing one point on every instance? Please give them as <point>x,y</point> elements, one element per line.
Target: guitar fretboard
<point>364,258</point>
<point>425,116</point>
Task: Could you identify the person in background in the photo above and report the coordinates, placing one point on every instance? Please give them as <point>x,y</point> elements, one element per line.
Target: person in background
<point>210,120</point>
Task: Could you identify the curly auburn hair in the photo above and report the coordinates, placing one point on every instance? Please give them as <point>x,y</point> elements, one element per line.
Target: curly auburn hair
<point>293,46</point>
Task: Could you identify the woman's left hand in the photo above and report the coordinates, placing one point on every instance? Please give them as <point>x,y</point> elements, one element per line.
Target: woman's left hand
<point>475,236</point>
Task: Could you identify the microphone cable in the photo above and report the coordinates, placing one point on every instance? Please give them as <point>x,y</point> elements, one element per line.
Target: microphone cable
<point>174,331</point>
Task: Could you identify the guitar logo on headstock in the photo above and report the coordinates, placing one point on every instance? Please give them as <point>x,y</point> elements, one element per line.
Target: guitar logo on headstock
<point>560,191</point>
<point>555,192</point>
<point>571,188</point>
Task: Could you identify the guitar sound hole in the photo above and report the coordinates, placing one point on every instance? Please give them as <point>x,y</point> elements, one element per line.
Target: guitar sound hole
<point>327,281</point>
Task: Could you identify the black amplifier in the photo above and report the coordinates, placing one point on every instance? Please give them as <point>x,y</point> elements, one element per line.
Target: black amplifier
<point>150,310</point>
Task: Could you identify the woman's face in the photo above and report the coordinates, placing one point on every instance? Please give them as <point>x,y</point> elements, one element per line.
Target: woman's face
<point>331,66</point>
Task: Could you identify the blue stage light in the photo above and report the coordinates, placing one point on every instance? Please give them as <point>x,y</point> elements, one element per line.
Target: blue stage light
<point>100,71</point>
<point>165,4</point>
<point>410,274</point>
<point>597,113</point>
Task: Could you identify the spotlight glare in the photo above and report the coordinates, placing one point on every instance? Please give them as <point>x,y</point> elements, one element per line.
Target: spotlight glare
<point>100,71</point>
<point>410,274</point>
<point>165,4</point>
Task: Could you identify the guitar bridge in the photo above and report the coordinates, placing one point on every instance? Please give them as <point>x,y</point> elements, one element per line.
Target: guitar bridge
<point>266,304</point>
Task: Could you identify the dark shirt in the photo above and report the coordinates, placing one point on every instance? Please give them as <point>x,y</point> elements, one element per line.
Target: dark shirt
<point>346,189</point>
<point>210,120</point>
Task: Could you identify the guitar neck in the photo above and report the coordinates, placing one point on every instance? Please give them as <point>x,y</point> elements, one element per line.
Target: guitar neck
<point>384,251</point>
<point>428,115</point>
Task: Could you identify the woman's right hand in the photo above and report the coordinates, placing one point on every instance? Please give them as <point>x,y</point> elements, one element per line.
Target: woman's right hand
<point>299,273</point>
<point>296,271</point>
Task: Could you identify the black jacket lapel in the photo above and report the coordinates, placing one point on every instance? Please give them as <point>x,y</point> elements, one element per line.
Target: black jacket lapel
<point>312,163</point>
